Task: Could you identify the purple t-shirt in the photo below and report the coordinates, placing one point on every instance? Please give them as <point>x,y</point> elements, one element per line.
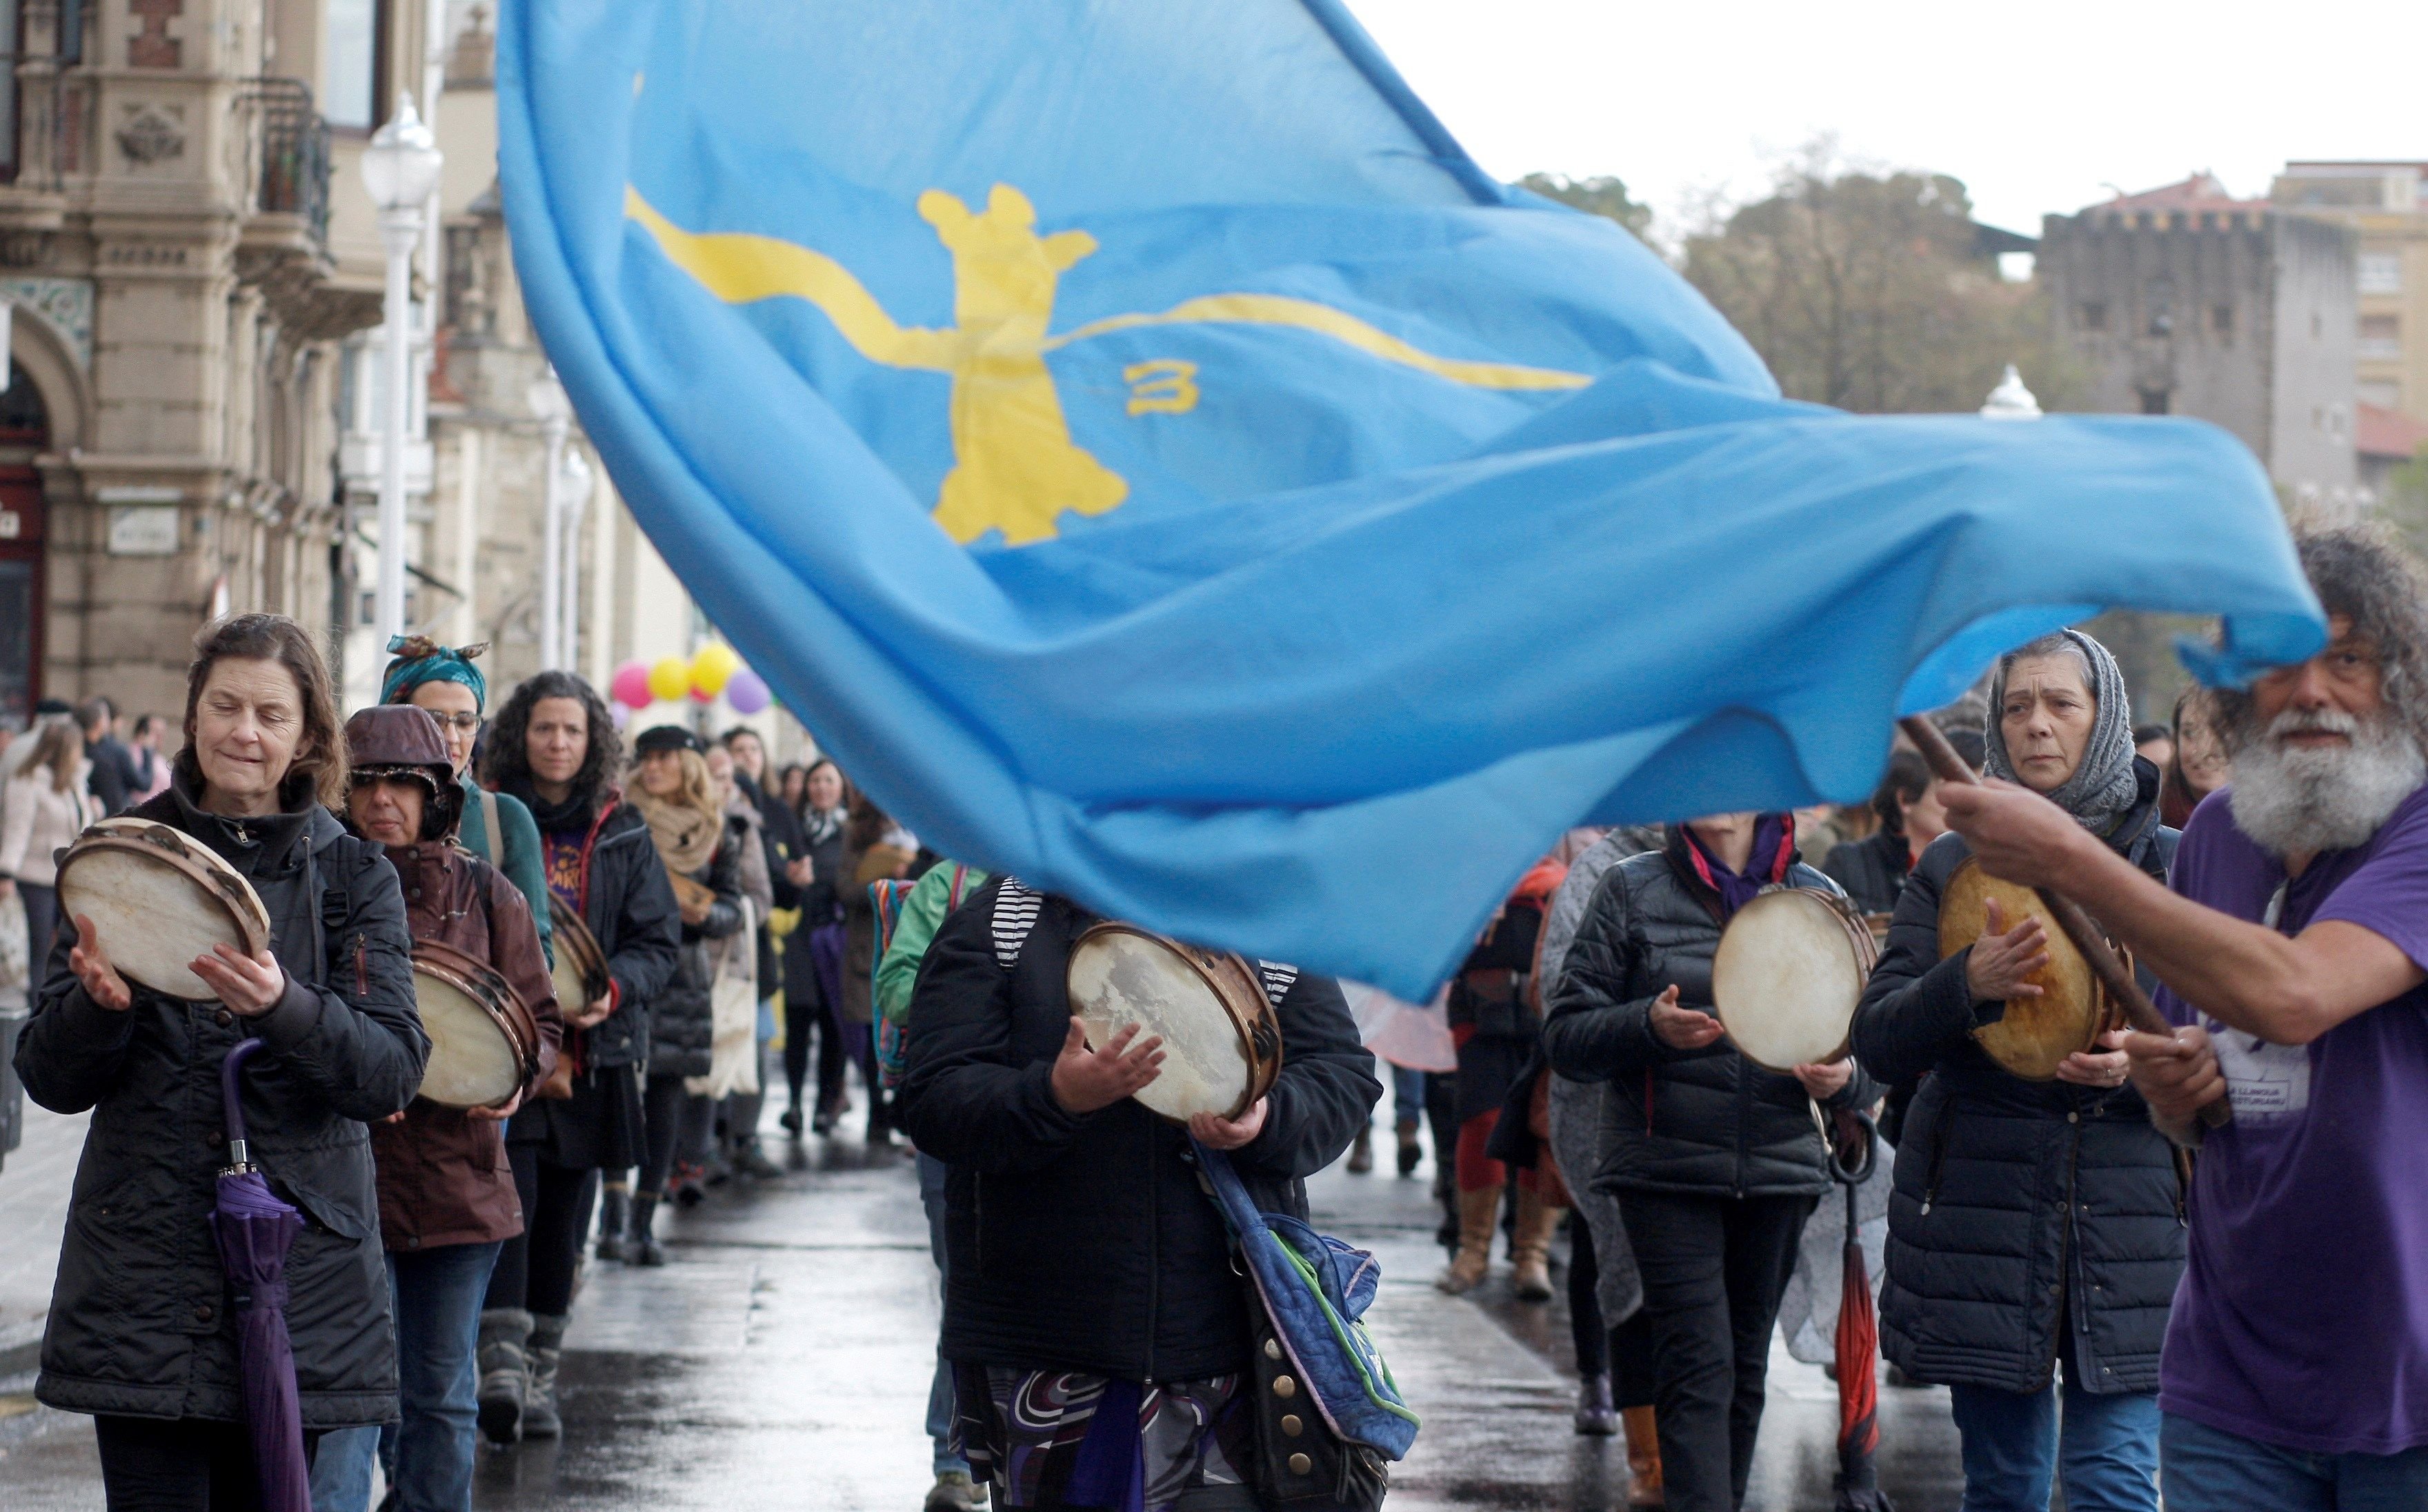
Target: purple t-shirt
<point>2301,1320</point>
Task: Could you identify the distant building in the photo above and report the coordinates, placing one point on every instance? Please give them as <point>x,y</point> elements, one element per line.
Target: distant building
<point>2384,205</point>
<point>2388,439</point>
<point>2185,300</point>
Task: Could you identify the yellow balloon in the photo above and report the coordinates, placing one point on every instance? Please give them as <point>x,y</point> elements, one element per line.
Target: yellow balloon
<point>711,667</point>
<point>669,678</point>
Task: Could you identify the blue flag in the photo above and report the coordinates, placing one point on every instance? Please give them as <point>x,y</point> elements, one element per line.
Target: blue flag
<point>1155,461</point>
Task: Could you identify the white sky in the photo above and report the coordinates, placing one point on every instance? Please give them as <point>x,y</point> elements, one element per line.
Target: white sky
<point>2036,105</point>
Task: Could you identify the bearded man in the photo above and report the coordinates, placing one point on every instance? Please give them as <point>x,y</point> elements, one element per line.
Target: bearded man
<point>2293,951</point>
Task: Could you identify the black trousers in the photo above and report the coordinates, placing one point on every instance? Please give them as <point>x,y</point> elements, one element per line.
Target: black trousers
<point>804,1021</point>
<point>1624,1352</point>
<point>536,1268</point>
<point>185,1465</point>
<point>1714,1269</point>
<point>680,1125</point>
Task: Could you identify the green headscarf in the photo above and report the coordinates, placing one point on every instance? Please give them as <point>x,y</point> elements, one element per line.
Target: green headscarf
<point>419,659</point>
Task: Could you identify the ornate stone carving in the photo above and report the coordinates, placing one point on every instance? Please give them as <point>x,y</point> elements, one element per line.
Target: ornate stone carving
<point>153,133</point>
<point>63,304</point>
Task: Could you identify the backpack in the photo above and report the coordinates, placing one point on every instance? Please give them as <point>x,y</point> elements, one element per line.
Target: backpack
<point>893,1038</point>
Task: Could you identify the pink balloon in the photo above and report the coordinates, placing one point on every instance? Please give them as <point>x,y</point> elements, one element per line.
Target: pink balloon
<point>746,691</point>
<point>630,687</point>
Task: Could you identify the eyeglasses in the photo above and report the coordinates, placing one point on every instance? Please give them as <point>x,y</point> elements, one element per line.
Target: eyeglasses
<point>465,722</point>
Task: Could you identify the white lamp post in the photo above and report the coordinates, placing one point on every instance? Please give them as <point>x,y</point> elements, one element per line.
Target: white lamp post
<point>401,170</point>
<point>2010,399</point>
<point>555,413</point>
<point>577,501</point>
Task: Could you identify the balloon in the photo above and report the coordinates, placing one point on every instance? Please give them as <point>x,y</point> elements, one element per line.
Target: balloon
<point>746,692</point>
<point>630,687</point>
<point>618,713</point>
<point>669,678</point>
<point>712,666</point>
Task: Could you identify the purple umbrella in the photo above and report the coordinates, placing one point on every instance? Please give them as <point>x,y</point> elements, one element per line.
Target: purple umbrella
<point>255,1230</point>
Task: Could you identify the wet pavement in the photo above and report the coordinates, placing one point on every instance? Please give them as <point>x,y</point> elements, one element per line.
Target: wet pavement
<point>781,1361</point>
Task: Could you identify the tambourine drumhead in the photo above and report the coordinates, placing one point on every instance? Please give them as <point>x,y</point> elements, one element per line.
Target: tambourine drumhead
<point>1787,976</point>
<point>483,1043</point>
<point>580,969</point>
<point>2036,1034</point>
<point>158,898</point>
<point>1208,1008</point>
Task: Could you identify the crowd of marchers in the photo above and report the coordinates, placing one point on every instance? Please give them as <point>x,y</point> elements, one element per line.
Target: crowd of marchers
<point>2124,1293</point>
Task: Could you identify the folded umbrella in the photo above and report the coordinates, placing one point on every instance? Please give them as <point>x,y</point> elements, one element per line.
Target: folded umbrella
<point>1859,1333</point>
<point>254,1231</point>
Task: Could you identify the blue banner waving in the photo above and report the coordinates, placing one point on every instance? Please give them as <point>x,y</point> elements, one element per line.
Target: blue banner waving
<point>1155,461</point>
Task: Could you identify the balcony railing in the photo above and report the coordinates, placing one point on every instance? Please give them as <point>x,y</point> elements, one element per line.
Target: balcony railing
<point>294,154</point>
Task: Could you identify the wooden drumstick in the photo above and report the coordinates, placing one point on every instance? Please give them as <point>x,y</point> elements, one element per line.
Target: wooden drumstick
<point>2112,972</point>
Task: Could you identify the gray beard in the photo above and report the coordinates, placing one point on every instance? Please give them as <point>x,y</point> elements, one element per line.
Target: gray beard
<point>2292,799</point>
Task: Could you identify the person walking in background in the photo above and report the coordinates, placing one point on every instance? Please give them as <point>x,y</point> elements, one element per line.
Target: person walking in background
<point>2035,1228</point>
<point>151,762</point>
<point>44,808</point>
<point>875,848</point>
<point>700,849</point>
<point>139,1332</point>
<point>446,1201</point>
<point>111,777</point>
<point>742,960</point>
<point>788,874</point>
<point>555,749</point>
<point>496,827</point>
<point>813,987</point>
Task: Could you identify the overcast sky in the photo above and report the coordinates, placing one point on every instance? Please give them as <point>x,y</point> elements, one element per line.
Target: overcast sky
<point>2037,107</point>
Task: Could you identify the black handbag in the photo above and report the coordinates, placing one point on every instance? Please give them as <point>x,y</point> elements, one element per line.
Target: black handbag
<point>1301,1463</point>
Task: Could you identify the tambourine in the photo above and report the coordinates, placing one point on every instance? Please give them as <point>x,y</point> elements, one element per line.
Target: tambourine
<point>485,1043</point>
<point>1222,1042</point>
<point>1789,971</point>
<point>159,899</point>
<point>2036,1034</point>
<point>581,967</point>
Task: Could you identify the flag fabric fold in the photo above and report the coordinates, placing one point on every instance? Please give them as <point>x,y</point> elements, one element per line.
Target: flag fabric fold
<point>1156,462</point>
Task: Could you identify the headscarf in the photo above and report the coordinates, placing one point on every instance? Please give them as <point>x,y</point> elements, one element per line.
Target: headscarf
<point>2103,786</point>
<point>418,659</point>
<point>1766,864</point>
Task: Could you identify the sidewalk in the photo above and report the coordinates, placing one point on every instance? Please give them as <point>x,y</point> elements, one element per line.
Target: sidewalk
<point>34,1188</point>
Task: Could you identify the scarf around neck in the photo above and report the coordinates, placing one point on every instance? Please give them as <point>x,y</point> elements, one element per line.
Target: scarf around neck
<point>686,836</point>
<point>2103,787</point>
<point>818,826</point>
<point>1772,853</point>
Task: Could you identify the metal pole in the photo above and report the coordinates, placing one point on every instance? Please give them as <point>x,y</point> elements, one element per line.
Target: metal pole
<point>399,230</point>
<point>552,553</point>
<point>576,501</point>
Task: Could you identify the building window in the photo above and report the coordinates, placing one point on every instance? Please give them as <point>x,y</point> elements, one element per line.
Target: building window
<point>2221,319</point>
<point>2381,273</point>
<point>2093,315</point>
<point>354,63</point>
<point>2383,392</point>
<point>2381,337</point>
<point>2159,298</point>
<point>2154,401</point>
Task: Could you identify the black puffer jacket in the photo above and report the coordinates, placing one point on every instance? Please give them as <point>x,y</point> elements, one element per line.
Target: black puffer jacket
<point>1705,1121</point>
<point>683,1019</point>
<point>2011,1196</point>
<point>630,907</point>
<point>141,1323</point>
<point>1086,1243</point>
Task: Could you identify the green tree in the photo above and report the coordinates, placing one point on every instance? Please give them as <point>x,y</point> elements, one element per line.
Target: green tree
<point>1868,290</point>
<point>1603,196</point>
<point>2405,505</point>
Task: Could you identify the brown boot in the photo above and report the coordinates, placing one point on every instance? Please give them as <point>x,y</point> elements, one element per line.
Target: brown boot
<point>1529,1247</point>
<point>1643,1459</point>
<point>1361,1155</point>
<point>1476,1212</point>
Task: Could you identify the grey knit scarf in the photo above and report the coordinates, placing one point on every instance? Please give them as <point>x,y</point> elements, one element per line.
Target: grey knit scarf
<point>2104,788</point>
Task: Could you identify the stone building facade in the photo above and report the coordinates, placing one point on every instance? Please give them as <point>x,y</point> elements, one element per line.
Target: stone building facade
<point>2185,301</point>
<point>2385,205</point>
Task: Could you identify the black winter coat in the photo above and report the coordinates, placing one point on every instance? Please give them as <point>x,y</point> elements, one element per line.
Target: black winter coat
<point>2013,1197</point>
<point>1086,1243</point>
<point>1872,871</point>
<point>779,831</point>
<point>140,1322</point>
<point>683,1019</point>
<point>1707,1121</point>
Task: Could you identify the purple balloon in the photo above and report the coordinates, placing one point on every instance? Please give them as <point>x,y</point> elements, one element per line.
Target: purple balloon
<point>621,714</point>
<point>746,692</point>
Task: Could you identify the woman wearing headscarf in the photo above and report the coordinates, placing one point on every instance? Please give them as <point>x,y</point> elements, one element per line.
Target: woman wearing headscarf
<point>2036,1230</point>
<point>810,989</point>
<point>1716,1162</point>
<point>701,849</point>
<point>496,827</point>
<point>555,749</point>
<point>873,849</point>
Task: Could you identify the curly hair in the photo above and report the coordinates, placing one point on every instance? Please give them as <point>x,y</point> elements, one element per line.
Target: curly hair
<point>506,764</point>
<point>318,768</point>
<point>2361,572</point>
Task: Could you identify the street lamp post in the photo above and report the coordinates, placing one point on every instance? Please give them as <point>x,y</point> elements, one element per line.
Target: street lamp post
<point>577,502</point>
<point>556,413</point>
<point>401,170</point>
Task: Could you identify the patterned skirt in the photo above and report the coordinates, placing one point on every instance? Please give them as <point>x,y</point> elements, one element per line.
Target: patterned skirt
<point>1052,1438</point>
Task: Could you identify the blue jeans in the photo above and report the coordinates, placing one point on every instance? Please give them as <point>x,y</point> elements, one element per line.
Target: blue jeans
<point>2208,1470</point>
<point>437,1297</point>
<point>939,1389</point>
<point>2107,1448</point>
<point>1407,1095</point>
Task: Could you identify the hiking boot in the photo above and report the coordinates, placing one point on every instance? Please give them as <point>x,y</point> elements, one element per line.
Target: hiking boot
<point>540,1419</point>
<point>505,1369</point>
